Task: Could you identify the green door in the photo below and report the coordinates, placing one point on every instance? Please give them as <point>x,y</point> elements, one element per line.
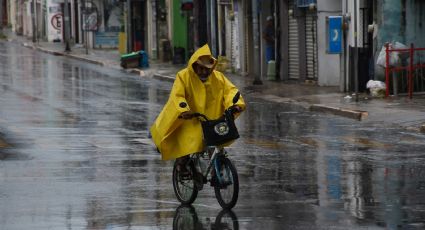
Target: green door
<point>180,32</point>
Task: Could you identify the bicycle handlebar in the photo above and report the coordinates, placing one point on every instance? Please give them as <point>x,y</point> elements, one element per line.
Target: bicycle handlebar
<point>192,115</point>
<point>232,109</point>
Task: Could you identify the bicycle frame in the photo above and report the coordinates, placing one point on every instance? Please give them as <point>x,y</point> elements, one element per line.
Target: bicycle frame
<point>211,163</point>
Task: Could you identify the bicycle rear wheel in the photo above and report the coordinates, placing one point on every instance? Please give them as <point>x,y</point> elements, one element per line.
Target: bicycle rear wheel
<point>227,189</point>
<point>184,185</point>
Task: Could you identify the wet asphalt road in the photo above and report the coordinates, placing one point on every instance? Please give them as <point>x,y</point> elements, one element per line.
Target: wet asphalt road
<point>75,155</point>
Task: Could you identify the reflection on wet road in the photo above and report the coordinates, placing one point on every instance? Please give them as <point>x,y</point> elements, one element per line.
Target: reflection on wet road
<point>187,218</point>
<point>75,155</point>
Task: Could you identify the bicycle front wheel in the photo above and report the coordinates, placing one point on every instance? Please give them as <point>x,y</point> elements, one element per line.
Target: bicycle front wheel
<point>226,219</point>
<point>227,187</point>
<point>185,218</point>
<point>184,185</point>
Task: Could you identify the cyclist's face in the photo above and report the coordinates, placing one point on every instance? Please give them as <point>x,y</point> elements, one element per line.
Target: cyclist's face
<point>202,72</point>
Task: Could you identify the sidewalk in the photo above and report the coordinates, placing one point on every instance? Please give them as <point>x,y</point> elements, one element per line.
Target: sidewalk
<point>401,111</point>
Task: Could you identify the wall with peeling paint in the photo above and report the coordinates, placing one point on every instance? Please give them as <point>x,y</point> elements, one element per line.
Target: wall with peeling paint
<point>415,22</point>
<point>401,20</point>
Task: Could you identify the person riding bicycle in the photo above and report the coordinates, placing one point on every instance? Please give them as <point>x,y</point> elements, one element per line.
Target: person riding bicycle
<point>197,88</point>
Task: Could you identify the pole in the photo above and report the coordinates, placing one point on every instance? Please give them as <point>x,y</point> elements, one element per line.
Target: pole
<point>34,26</point>
<point>356,54</point>
<point>66,25</point>
<point>344,50</point>
<point>129,27</point>
<point>209,21</point>
<point>1,17</point>
<point>213,29</point>
<point>256,41</point>
<point>411,70</point>
<point>155,48</point>
<point>387,70</point>
<point>83,24</point>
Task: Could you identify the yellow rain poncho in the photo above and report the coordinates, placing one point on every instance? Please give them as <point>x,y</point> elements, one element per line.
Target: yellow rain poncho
<point>176,137</point>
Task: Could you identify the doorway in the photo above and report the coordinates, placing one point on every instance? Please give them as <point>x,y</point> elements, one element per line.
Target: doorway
<point>138,33</point>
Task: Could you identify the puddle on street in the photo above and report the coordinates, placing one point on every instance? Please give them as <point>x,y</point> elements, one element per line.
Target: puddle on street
<point>3,143</point>
<point>269,144</point>
<point>364,142</point>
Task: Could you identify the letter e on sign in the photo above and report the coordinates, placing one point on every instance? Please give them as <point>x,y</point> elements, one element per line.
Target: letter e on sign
<point>56,21</point>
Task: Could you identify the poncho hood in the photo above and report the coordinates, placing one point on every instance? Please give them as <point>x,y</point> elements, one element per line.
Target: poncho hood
<point>203,51</point>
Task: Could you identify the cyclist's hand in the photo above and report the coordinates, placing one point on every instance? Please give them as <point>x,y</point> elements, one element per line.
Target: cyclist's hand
<point>236,109</point>
<point>186,115</point>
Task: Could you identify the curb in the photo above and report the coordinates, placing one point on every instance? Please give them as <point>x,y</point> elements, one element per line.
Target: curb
<point>422,128</point>
<point>42,49</point>
<point>163,77</point>
<point>92,61</point>
<point>137,71</point>
<point>48,51</point>
<point>353,114</point>
<point>84,59</point>
<point>58,53</point>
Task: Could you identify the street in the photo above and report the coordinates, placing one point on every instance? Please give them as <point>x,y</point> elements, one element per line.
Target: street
<point>76,155</point>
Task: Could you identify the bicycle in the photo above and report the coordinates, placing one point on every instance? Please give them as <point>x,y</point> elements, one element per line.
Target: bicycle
<point>219,171</point>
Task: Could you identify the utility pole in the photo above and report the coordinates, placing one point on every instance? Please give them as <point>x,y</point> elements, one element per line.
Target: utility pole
<point>214,50</point>
<point>83,24</point>
<point>66,25</point>
<point>129,27</point>
<point>356,54</point>
<point>256,41</point>
<point>1,17</point>
<point>34,22</point>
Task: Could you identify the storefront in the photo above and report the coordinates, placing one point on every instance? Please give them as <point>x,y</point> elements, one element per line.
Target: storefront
<point>110,23</point>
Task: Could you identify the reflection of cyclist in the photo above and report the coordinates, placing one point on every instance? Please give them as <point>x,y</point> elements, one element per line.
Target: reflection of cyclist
<point>186,218</point>
<point>199,88</point>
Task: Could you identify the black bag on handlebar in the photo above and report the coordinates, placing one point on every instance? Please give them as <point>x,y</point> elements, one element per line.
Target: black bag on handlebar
<point>220,131</point>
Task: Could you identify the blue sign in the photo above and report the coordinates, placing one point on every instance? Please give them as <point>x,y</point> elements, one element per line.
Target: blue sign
<point>106,39</point>
<point>335,35</point>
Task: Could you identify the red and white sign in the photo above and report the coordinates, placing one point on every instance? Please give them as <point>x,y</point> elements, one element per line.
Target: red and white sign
<point>56,21</point>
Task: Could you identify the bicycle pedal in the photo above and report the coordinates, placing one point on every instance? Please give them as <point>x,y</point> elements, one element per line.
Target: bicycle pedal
<point>199,185</point>
<point>185,177</point>
<point>226,183</point>
<point>213,182</point>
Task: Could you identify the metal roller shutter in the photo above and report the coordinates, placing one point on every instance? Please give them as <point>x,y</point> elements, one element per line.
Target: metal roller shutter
<point>293,43</point>
<point>311,45</point>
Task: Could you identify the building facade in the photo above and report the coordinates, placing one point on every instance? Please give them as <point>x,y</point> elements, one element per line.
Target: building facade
<point>170,30</point>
